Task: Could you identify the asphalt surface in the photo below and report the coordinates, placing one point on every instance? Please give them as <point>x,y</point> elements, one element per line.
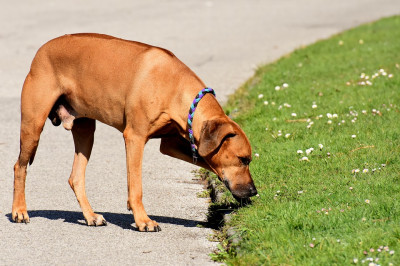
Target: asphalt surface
<point>222,41</point>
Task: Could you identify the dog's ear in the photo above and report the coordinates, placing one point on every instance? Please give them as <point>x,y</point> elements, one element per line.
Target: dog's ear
<point>213,132</point>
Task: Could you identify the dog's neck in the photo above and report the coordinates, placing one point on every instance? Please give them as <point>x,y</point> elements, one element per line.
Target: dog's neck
<point>207,109</point>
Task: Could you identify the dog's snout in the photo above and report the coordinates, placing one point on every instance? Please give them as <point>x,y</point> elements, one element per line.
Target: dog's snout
<point>244,191</point>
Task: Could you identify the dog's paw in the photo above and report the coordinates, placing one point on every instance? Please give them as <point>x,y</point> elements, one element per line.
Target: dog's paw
<point>20,216</point>
<point>96,220</point>
<point>150,226</point>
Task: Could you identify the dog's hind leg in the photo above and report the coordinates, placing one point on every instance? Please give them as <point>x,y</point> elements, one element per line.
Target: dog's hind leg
<point>36,103</point>
<point>83,134</point>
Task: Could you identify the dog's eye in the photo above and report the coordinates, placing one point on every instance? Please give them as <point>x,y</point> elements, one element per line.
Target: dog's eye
<point>245,160</point>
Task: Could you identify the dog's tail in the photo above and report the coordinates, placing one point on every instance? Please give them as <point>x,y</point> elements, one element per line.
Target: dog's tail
<point>32,156</point>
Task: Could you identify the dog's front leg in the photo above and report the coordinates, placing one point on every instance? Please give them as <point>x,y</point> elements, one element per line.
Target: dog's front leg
<point>134,145</point>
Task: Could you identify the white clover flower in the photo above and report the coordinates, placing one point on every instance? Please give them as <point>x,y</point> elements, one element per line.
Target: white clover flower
<point>390,76</point>
<point>340,42</point>
<point>320,146</point>
<point>256,155</point>
<point>334,116</point>
<point>391,252</point>
<point>277,88</point>
<point>355,260</point>
<point>285,85</point>
<point>353,136</point>
<point>364,112</point>
<point>314,106</point>
<point>362,75</point>
<point>304,159</point>
<point>300,192</point>
<point>294,114</point>
<point>273,103</point>
<point>280,107</point>
<point>329,122</point>
<point>299,152</point>
<point>369,83</point>
<point>287,135</point>
<point>287,105</point>
<point>266,102</point>
<point>260,96</point>
<point>279,134</point>
<point>329,115</point>
<point>310,150</point>
<point>365,171</point>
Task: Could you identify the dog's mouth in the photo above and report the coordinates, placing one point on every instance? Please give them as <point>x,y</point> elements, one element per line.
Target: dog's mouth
<point>241,192</point>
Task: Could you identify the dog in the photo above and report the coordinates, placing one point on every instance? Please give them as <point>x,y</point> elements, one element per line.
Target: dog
<point>143,91</point>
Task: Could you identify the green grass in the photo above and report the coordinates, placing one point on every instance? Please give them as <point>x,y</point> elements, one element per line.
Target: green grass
<point>319,212</point>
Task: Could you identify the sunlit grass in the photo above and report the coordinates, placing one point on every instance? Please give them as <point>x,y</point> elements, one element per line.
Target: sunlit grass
<point>342,93</point>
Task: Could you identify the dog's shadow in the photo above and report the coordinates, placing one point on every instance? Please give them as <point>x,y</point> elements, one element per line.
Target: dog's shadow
<point>125,221</point>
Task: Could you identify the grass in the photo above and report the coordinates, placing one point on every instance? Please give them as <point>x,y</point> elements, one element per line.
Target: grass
<point>320,210</point>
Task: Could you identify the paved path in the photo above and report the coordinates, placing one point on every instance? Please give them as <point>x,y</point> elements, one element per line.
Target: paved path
<point>222,41</point>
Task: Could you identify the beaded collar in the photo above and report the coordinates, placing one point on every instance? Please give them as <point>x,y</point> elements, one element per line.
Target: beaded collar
<point>196,101</point>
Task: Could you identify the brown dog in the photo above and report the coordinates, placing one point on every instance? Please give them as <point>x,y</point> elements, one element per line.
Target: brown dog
<point>144,92</point>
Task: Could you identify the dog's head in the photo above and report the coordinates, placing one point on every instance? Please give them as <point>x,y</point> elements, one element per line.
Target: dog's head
<point>226,149</point>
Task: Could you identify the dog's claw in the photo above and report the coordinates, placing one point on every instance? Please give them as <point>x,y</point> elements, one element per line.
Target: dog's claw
<point>96,220</point>
<point>149,226</point>
<point>20,217</point>
<point>147,229</point>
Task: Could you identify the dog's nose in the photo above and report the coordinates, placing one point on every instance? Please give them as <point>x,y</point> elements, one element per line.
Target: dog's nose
<point>253,191</point>
<point>244,191</point>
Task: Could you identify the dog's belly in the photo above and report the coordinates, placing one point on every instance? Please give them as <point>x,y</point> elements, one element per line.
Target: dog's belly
<point>68,108</point>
